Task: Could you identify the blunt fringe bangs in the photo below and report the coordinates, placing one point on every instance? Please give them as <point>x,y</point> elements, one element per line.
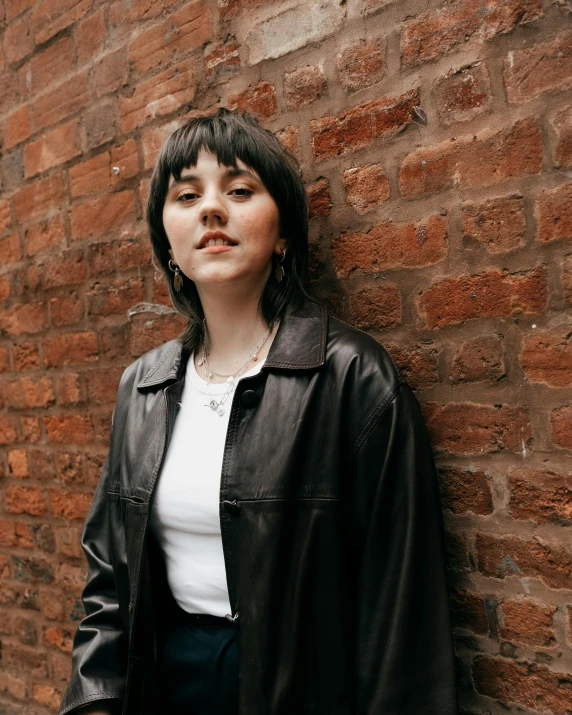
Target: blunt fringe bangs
<point>232,135</point>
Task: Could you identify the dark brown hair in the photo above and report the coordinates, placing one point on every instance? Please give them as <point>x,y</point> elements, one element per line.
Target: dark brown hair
<point>232,135</point>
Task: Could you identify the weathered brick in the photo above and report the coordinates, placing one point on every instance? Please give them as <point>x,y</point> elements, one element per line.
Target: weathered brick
<point>561,123</point>
<point>35,200</point>
<point>462,25</point>
<point>66,308</point>
<point>467,428</point>
<point>359,126</point>
<point>59,102</point>
<point>25,500</point>
<point>567,278</point>
<point>362,64</point>
<point>528,684</point>
<point>221,60</point>
<point>10,251</point>
<point>24,392</point>
<point>499,224</point>
<point>259,99</point>
<point>100,121</point>
<point>17,126</point>
<point>68,542</point>
<point>468,611</point>
<point>378,307</point>
<point>5,288</point>
<point>528,622</point>
<point>53,148</point>
<point>546,66</point>
<point>45,235</point>
<point>47,695</point>
<point>45,538</point>
<point>30,428</point>
<point>462,94</point>
<point>102,258</point>
<point>366,187</point>
<point>59,666</point>
<point>541,495</point>
<point>546,356</point>
<point>110,72</point>
<point>181,32</point>
<point>479,360</point>
<point>111,212</point>
<point>70,389</point>
<point>69,429</point>
<point>303,86</point>
<point>553,213</point>
<point>319,202</point>
<point>15,533</point>
<point>133,252</point>
<point>5,218</point>
<point>289,137</point>
<point>492,293</point>
<point>14,686</point>
<point>47,66</point>
<point>25,318</point>
<point>292,28</point>
<point>59,638</point>
<point>19,596</point>
<point>500,557</point>
<point>480,160</point>
<point>464,490</point>
<point>52,16</point>
<point>149,329</point>
<point>64,269</point>
<point>115,299</point>
<point>18,40</point>
<point>419,364</point>
<point>60,350</point>
<point>158,96</point>
<point>8,432</point>
<point>233,7</point>
<point>18,463</point>
<point>389,245</point>
<point>24,659</point>
<point>70,505</point>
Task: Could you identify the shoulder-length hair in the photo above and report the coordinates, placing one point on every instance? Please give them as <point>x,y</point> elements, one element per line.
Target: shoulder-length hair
<point>232,135</point>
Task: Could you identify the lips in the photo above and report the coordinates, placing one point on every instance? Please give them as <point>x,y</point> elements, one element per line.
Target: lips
<point>217,236</point>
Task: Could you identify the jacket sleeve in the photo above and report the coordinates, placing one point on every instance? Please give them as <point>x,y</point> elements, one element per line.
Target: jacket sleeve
<point>404,655</point>
<point>99,656</point>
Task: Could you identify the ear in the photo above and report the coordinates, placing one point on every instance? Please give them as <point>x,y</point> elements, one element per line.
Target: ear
<point>281,245</point>
<point>171,254</point>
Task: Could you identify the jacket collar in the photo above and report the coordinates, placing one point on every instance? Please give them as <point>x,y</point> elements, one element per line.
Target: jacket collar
<point>299,344</point>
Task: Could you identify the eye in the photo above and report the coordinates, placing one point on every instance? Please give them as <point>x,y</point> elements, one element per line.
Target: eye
<point>190,194</point>
<point>241,191</point>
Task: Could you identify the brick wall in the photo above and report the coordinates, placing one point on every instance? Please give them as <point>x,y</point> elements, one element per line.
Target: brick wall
<point>436,141</point>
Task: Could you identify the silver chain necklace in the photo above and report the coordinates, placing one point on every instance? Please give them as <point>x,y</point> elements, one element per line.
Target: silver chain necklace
<point>217,406</point>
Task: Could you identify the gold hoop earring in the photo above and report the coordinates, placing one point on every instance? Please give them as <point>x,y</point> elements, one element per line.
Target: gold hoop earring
<point>279,269</point>
<point>178,279</point>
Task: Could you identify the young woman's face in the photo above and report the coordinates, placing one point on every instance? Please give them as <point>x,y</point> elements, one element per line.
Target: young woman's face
<point>220,205</point>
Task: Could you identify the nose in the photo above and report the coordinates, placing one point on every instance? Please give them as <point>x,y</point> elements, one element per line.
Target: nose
<point>213,209</point>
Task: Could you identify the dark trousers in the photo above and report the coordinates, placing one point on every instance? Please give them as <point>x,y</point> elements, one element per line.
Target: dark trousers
<point>198,665</point>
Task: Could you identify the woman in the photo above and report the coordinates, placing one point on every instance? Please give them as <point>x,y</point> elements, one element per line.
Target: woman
<point>278,547</point>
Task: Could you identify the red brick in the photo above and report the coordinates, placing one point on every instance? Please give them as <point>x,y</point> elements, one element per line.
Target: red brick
<point>70,389</point>
<point>25,392</point>
<point>221,60</point>
<point>500,557</point>
<point>289,137</point>
<point>14,686</point>
<point>30,428</point>
<point>419,365</point>
<point>5,218</point>
<point>102,258</point>
<point>69,467</point>
<point>24,659</point>
<point>10,251</point>
<point>366,187</point>
<point>21,628</point>
<point>59,666</point>
<point>528,684</point>
<point>110,72</point>
<point>389,245</point>
<point>125,158</point>
<point>468,428</point>
<point>319,202</point>
<point>71,578</point>
<point>69,429</point>
<point>70,505</point>
<point>47,695</point>
<point>468,611</point>
<point>45,539</point>
<point>546,356</point>
<point>46,235</point>
<point>25,500</point>
<point>462,25</point>
<point>362,64</point>
<point>18,463</point>
<point>52,16</point>
<point>4,287</point>
<point>35,200</point>
<point>96,174</point>
<point>464,490</point>
<point>66,348</point>
<point>259,99</point>
<point>69,542</point>
<point>63,270</point>
<point>8,91</point>
<point>26,356</point>
<point>232,7</point>
<point>499,224</point>
<point>150,329</point>
<point>541,68</point>
<point>15,533</point>
<point>17,7</point>
<point>51,64</point>
<point>462,94</point>
<point>19,596</point>
<point>480,160</point>
<point>5,359</point>
<point>18,40</point>
<point>115,299</point>
<point>102,385</point>
<point>567,278</point>
<point>163,42</point>
<point>562,125</point>
<point>161,94</point>
<point>479,360</point>
<point>17,126</point>
<point>24,318</point>
<point>111,212</point>
<point>378,307</point>
<point>57,637</point>
<point>134,252</point>
<point>66,98</point>
<point>66,309</point>
<point>553,213</point>
<point>53,148</point>
<point>303,86</point>
<point>541,495</point>
<point>358,127</point>
<point>153,139</point>
<point>7,430</point>
<point>490,294</point>
<point>90,35</point>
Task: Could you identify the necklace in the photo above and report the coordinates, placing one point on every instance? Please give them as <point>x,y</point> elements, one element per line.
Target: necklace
<point>217,406</point>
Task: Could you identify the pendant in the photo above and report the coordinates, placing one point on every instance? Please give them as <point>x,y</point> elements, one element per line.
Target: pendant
<point>230,379</point>
<point>178,281</point>
<point>279,273</point>
<point>213,404</point>
<point>200,361</point>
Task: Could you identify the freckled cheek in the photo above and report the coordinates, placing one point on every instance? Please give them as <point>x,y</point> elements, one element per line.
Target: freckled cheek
<point>260,223</point>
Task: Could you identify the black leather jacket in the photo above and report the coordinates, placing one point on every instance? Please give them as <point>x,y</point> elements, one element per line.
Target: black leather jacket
<point>331,527</point>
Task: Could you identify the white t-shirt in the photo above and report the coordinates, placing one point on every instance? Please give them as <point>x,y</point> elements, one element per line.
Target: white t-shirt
<point>185,516</point>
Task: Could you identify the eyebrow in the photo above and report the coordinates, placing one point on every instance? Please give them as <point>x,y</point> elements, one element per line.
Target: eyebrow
<point>229,173</point>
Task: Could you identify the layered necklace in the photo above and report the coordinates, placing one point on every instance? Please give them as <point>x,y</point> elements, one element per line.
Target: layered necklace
<point>231,379</point>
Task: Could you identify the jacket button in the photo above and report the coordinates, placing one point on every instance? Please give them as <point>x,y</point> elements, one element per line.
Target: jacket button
<point>249,398</point>
<point>231,506</point>
<point>232,619</point>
